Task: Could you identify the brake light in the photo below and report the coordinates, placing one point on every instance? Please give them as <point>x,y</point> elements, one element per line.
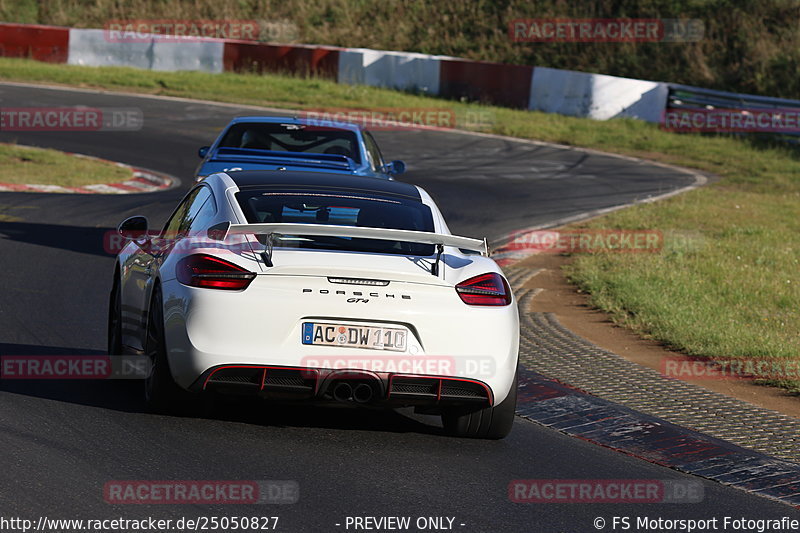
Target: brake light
<point>486,289</point>
<point>211,272</point>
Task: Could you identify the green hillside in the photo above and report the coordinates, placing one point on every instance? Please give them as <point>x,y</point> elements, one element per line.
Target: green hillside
<point>749,46</point>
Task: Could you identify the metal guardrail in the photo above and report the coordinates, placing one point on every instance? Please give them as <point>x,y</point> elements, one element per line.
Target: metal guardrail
<point>688,97</point>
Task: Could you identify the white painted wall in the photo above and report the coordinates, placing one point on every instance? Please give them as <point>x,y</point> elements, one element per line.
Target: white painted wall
<point>394,70</point>
<point>597,96</point>
<point>95,48</point>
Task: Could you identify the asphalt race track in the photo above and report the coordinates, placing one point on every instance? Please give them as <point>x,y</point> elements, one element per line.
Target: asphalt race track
<point>61,441</point>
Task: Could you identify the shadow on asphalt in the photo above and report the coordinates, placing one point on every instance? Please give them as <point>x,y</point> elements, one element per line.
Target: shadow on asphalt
<point>126,396</point>
<point>79,239</point>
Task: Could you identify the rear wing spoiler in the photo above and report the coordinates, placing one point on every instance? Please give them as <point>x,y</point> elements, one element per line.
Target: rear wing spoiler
<point>221,231</point>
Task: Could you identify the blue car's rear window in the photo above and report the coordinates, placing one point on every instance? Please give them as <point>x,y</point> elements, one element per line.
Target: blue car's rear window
<point>292,138</point>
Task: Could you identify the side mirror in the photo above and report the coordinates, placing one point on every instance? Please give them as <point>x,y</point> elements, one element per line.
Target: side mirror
<point>202,152</point>
<point>133,228</point>
<point>395,167</point>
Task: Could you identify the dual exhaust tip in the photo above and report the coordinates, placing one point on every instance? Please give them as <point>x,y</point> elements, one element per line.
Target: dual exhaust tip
<point>360,393</point>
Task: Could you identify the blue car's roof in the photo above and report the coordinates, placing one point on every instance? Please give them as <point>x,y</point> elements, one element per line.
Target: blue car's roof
<point>297,120</point>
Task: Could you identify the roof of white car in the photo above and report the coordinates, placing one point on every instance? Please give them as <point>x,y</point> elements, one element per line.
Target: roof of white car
<point>247,179</point>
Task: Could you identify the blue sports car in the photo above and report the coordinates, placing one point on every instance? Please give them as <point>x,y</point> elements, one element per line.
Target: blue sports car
<point>280,143</point>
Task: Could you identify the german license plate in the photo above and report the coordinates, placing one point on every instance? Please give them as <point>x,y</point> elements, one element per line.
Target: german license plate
<point>350,336</point>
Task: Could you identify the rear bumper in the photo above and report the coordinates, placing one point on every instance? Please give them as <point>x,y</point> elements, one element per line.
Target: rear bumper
<point>261,327</point>
<point>366,388</point>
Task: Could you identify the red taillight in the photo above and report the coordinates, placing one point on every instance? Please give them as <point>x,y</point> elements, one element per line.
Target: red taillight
<point>486,289</point>
<point>211,272</point>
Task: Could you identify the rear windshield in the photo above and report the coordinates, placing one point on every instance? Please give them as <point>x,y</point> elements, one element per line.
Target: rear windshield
<point>292,138</point>
<point>345,209</point>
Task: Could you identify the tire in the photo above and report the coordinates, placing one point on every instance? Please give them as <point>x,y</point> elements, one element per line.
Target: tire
<point>161,393</point>
<point>115,320</point>
<point>489,423</point>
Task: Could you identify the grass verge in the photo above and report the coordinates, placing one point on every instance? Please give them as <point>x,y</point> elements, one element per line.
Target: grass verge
<point>22,164</point>
<point>724,286</point>
<point>726,283</point>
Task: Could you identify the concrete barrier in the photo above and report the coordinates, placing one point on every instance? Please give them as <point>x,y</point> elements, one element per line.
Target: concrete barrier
<point>243,56</point>
<point>394,70</point>
<point>42,43</point>
<point>544,89</point>
<point>597,96</point>
<point>492,83</point>
<point>94,48</point>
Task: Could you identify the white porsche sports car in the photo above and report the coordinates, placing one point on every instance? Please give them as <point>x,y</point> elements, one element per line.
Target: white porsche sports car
<point>302,286</point>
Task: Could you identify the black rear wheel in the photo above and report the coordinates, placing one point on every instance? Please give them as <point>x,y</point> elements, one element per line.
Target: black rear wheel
<point>488,423</point>
<point>161,393</point>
